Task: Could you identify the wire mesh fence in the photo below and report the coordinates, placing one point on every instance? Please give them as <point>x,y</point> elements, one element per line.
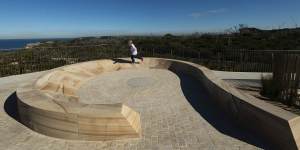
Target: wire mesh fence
<point>226,60</point>
<point>286,74</point>
<point>38,59</point>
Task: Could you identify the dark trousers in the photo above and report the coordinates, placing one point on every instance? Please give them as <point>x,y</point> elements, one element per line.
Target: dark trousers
<point>136,56</point>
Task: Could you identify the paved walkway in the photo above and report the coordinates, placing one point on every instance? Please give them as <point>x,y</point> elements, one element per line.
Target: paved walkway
<point>175,112</point>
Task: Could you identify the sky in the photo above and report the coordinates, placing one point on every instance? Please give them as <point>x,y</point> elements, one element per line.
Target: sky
<point>22,19</point>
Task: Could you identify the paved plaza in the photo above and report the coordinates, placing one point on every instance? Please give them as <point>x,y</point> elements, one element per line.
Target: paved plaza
<point>176,113</point>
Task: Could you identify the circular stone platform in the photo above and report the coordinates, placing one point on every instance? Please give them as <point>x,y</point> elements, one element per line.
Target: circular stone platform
<point>122,86</point>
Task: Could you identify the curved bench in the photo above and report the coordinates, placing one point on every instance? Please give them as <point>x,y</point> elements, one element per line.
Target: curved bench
<point>50,105</point>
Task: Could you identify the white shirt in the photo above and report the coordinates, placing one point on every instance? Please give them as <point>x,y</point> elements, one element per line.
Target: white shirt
<point>133,49</point>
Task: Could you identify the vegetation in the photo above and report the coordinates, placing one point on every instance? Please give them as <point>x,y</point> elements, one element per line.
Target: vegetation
<point>236,38</point>
<point>269,87</point>
<point>222,51</point>
<point>284,84</point>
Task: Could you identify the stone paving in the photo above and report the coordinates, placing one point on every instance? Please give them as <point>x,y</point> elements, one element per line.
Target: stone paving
<point>175,114</point>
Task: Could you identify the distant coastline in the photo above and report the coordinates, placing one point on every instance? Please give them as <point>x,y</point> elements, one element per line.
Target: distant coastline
<point>10,44</point>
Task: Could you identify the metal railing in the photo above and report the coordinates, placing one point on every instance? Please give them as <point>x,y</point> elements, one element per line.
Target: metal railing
<point>38,59</point>
<point>286,76</point>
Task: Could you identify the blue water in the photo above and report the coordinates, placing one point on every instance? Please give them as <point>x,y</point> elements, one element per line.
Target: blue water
<point>21,43</point>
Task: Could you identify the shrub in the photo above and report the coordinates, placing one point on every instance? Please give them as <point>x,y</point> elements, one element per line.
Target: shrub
<point>270,87</point>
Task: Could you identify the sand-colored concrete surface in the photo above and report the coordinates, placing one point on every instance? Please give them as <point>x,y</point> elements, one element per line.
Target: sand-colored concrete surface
<point>58,104</point>
<point>175,110</point>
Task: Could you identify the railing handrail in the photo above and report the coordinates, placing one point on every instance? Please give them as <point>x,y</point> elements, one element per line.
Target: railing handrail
<point>246,50</point>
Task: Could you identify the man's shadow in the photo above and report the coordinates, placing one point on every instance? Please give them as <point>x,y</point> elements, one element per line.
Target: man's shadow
<point>122,61</point>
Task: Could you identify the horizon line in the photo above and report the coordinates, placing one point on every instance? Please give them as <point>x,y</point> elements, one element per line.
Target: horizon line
<point>137,34</point>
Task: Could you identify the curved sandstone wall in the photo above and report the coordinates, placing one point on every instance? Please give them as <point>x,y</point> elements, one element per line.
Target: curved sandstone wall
<point>50,105</point>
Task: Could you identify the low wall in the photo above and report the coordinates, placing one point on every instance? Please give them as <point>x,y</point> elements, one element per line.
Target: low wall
<point>281,128</point>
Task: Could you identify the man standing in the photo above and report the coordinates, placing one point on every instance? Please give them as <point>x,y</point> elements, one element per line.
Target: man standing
<point>134,53</point>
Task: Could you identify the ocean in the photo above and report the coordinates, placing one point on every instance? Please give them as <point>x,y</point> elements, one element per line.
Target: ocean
<point>21,43</point>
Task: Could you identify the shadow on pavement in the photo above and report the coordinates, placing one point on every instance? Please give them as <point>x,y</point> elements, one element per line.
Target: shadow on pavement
<point>122,61</point>
<point>10,107</point>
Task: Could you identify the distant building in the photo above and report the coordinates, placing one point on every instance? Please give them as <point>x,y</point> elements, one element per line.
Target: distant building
<point>49,42</point>
<point>249,30</point>
<point>31,45</point>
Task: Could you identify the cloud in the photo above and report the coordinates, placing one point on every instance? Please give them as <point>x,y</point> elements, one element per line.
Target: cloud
<point>206,13</point>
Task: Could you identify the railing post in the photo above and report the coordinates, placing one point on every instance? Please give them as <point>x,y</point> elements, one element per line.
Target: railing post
<point>272,62</point>
<point>219,59</point>
<point>19,62</point>
<point>152,52</point>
